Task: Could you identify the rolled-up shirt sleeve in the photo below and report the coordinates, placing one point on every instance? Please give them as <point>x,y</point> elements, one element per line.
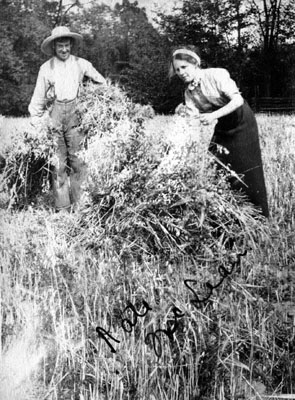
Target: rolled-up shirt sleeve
<point>91,72</point>
<point>38,101</point>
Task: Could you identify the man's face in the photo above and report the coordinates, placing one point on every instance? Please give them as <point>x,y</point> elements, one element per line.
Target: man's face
<point>63,48</point>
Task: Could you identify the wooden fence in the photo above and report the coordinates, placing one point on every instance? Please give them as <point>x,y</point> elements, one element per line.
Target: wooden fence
<point>273,104</point>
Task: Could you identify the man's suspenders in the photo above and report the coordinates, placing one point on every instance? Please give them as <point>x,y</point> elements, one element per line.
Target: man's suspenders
<point>50,93</point>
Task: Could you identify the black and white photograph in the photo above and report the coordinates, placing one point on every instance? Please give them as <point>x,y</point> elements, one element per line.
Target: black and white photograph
<point>147,199</point>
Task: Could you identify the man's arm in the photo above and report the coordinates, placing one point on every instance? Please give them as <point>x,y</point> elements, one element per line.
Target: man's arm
<point>91,72</point>
<point>38,100</point>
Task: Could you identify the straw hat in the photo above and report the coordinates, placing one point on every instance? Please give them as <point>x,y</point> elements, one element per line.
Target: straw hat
<point>57,33</point>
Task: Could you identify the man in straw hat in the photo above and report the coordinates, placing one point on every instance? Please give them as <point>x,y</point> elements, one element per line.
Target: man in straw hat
<point>58,83</point>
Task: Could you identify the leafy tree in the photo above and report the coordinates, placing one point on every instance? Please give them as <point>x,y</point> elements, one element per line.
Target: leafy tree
<point>101,46</point>
<point>144,53</point>
<point>20,33</point>
<point>217,28</point>
<point>275,20</point>
<point>123,44</point>
<point>208,24</point>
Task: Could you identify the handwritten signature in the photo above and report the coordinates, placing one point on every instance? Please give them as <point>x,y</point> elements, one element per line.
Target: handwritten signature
<point>154,338</point>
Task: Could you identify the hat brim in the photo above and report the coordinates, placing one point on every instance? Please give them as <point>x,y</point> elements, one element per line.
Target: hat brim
<point>46,46</point>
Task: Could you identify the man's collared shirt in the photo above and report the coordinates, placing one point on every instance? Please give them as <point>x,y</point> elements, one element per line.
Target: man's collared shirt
<point>61,80</point>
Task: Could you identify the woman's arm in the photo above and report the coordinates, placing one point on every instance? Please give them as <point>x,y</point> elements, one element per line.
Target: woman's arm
<point>235,102</point>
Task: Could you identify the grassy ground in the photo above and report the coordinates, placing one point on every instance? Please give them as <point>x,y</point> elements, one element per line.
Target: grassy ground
<point>65,278</point>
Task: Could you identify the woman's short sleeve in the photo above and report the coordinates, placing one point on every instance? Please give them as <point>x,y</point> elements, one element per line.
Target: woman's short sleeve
<point>224,83</point>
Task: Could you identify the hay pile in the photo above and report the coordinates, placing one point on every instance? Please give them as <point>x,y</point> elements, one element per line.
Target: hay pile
<point>153,189</point>
<point>28,152</point>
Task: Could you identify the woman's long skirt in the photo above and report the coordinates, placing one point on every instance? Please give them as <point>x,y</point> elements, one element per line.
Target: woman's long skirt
<point>238,133</point>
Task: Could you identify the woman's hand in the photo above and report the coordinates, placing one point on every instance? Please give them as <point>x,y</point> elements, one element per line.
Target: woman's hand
<point>207,119</point>
<point>185,111</point>
<point>181,110</point>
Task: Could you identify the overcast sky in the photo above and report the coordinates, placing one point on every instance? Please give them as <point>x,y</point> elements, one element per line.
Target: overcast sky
<point>150,5</point>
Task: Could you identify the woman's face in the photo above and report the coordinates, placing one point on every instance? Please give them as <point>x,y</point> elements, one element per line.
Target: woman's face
<point>185,70</point>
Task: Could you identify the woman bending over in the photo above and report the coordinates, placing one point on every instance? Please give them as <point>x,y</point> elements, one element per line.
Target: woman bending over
<point>212,95</point>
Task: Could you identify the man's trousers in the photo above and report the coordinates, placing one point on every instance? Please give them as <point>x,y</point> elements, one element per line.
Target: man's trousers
<point>69,169</point>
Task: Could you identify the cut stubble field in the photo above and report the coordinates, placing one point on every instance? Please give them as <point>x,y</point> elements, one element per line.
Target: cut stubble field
<point>163,284</point>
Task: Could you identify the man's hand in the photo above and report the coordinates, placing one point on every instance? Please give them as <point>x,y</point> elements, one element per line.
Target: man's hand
<point>36,121</point>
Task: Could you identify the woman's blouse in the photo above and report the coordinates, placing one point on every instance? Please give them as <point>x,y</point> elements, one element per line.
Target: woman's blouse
<point>213,90</point>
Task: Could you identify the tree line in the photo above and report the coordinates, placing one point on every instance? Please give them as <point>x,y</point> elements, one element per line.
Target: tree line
<point>253,39</point>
